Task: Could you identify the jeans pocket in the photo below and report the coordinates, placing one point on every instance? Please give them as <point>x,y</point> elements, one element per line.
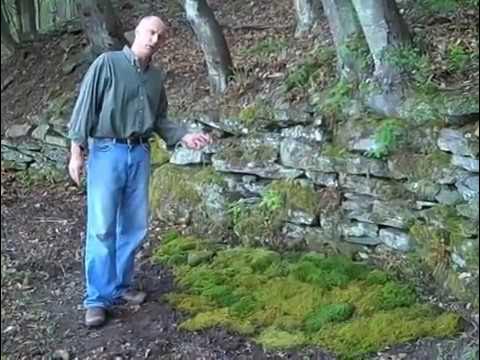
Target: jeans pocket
<point>103,146</point>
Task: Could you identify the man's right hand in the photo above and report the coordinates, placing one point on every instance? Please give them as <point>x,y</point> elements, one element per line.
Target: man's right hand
<point>75,166</point>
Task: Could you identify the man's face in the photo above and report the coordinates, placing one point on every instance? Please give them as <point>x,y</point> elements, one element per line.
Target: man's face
<point>150,34</point>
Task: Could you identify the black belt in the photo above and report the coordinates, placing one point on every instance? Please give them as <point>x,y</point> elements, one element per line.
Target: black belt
<point>128,141</point>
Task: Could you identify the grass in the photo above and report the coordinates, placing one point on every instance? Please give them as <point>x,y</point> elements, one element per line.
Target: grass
<point>266,47</point>
<point>388,137</point>
<point>289,300</point>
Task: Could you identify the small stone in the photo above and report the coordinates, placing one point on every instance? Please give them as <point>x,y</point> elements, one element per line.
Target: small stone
<point>359,229</point>
<point>18,131</point>
<point>466,163</point>
<point>323,179</point>
<point>449,197</point>
<point>184,156</point>
<point>41,132</point>
<point>396,239</point>
<point>455,142</point>
<point>61,355</point>
<point>56,140</point>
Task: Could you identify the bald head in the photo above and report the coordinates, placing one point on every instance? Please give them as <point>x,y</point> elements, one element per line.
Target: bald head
<point>150,34</point>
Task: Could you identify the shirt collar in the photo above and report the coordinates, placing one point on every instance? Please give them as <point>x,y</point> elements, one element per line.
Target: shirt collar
<point>132,58</point>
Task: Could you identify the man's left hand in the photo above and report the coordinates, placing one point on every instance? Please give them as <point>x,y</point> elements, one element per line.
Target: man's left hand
<point>196,141</point>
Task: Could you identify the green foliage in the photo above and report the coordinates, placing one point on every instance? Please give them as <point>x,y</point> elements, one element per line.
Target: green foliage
<point>260,111</point>
<point>283,302</point>
<point>334,100</point>
<point>413,64</point>
<point>458,58</point>
<point>447,6</point>
<point>387,138</point>
<point>313,69</point>
<point>328,314</point>
<point>266,47</point>
<point>272,201</point>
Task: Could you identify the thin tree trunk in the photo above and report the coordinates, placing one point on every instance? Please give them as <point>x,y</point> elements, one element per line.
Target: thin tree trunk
<point>308,15</point>
<point>101,25</point>
<point>7,38</point>
<point>212,42</point>
<point>27,16</point>
<point>348,37</point>
<point>384,30</point>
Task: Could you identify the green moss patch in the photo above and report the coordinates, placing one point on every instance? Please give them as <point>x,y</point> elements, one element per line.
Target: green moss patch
<point>297,299</point>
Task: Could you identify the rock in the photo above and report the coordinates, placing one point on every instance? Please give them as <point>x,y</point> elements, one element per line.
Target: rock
<point>465,254</point>
<point>61,355</point>
<point>449,197</point>
<point>393,214</point>
<point>455,142</point>
<point>469,164</point>
<point>311,133</point>
<point>459,119</point>
<point>471,210</point>
<point>184,156</point>
<point>358,229</point>
<point>378,188</point>
<point>364,145</point>
<point>16,156</point>
<point>18,131</point>
<point>359,165</point>
<point>425,190</point>
<point>289,116</point>
<point>56,140</point>
<point>300,217</point>
<point>266,171</point>
<point>215,120</point>
<point>469,187</point>
<point>301,155</point>
<point>323,179</point>
<point>367,241</point>
<point>358,203</point>
<point>396,239</point>
<point>72,63</point>
<point>41,132</point>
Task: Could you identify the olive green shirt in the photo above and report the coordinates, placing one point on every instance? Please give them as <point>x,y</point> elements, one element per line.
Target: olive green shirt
<point>119,99</point>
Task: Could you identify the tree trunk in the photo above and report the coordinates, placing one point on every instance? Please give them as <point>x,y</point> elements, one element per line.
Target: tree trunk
<point>385,31</point>
<point>7,38</point>
<point>101,25</point>
<point>348,37</point>
<point>212,42</point>
<point>27,17</point>
<point>308,15</point>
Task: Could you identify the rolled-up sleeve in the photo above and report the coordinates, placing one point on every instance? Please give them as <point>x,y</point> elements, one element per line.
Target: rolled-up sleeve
<point>88,105</point>
<point>168,130</point>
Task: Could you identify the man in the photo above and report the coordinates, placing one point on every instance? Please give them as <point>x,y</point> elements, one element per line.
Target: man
<point>122,101</point>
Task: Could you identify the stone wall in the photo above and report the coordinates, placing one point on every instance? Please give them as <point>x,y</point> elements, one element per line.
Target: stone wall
<point>295,182</point>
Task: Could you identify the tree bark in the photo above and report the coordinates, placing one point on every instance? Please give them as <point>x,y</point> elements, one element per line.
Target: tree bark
<point>7,39</point>
<point>212,42</point>
<point>384,30</point>
<point>27,18</point>
<point>346,31</point>
<point>308,15</point>
<point>101,25</point>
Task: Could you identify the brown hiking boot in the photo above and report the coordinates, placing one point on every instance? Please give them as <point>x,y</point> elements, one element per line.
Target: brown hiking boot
<point>95,316</point>
<point>134,297</point>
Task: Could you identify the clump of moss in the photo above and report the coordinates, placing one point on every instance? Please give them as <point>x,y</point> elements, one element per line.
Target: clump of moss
<point>273,338</point>
<point>171,183</point>
<point>283,301</point>
<point>364,335</point>
<point>239,154</point>
<point>328,314</point>
<point>260,111</point>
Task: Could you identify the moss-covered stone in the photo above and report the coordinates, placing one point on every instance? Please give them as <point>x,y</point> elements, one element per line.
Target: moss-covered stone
<point>158,152</point>
<point>284,301</point>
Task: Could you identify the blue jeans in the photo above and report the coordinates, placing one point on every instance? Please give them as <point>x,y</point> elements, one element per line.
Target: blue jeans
<point>117,220</point>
